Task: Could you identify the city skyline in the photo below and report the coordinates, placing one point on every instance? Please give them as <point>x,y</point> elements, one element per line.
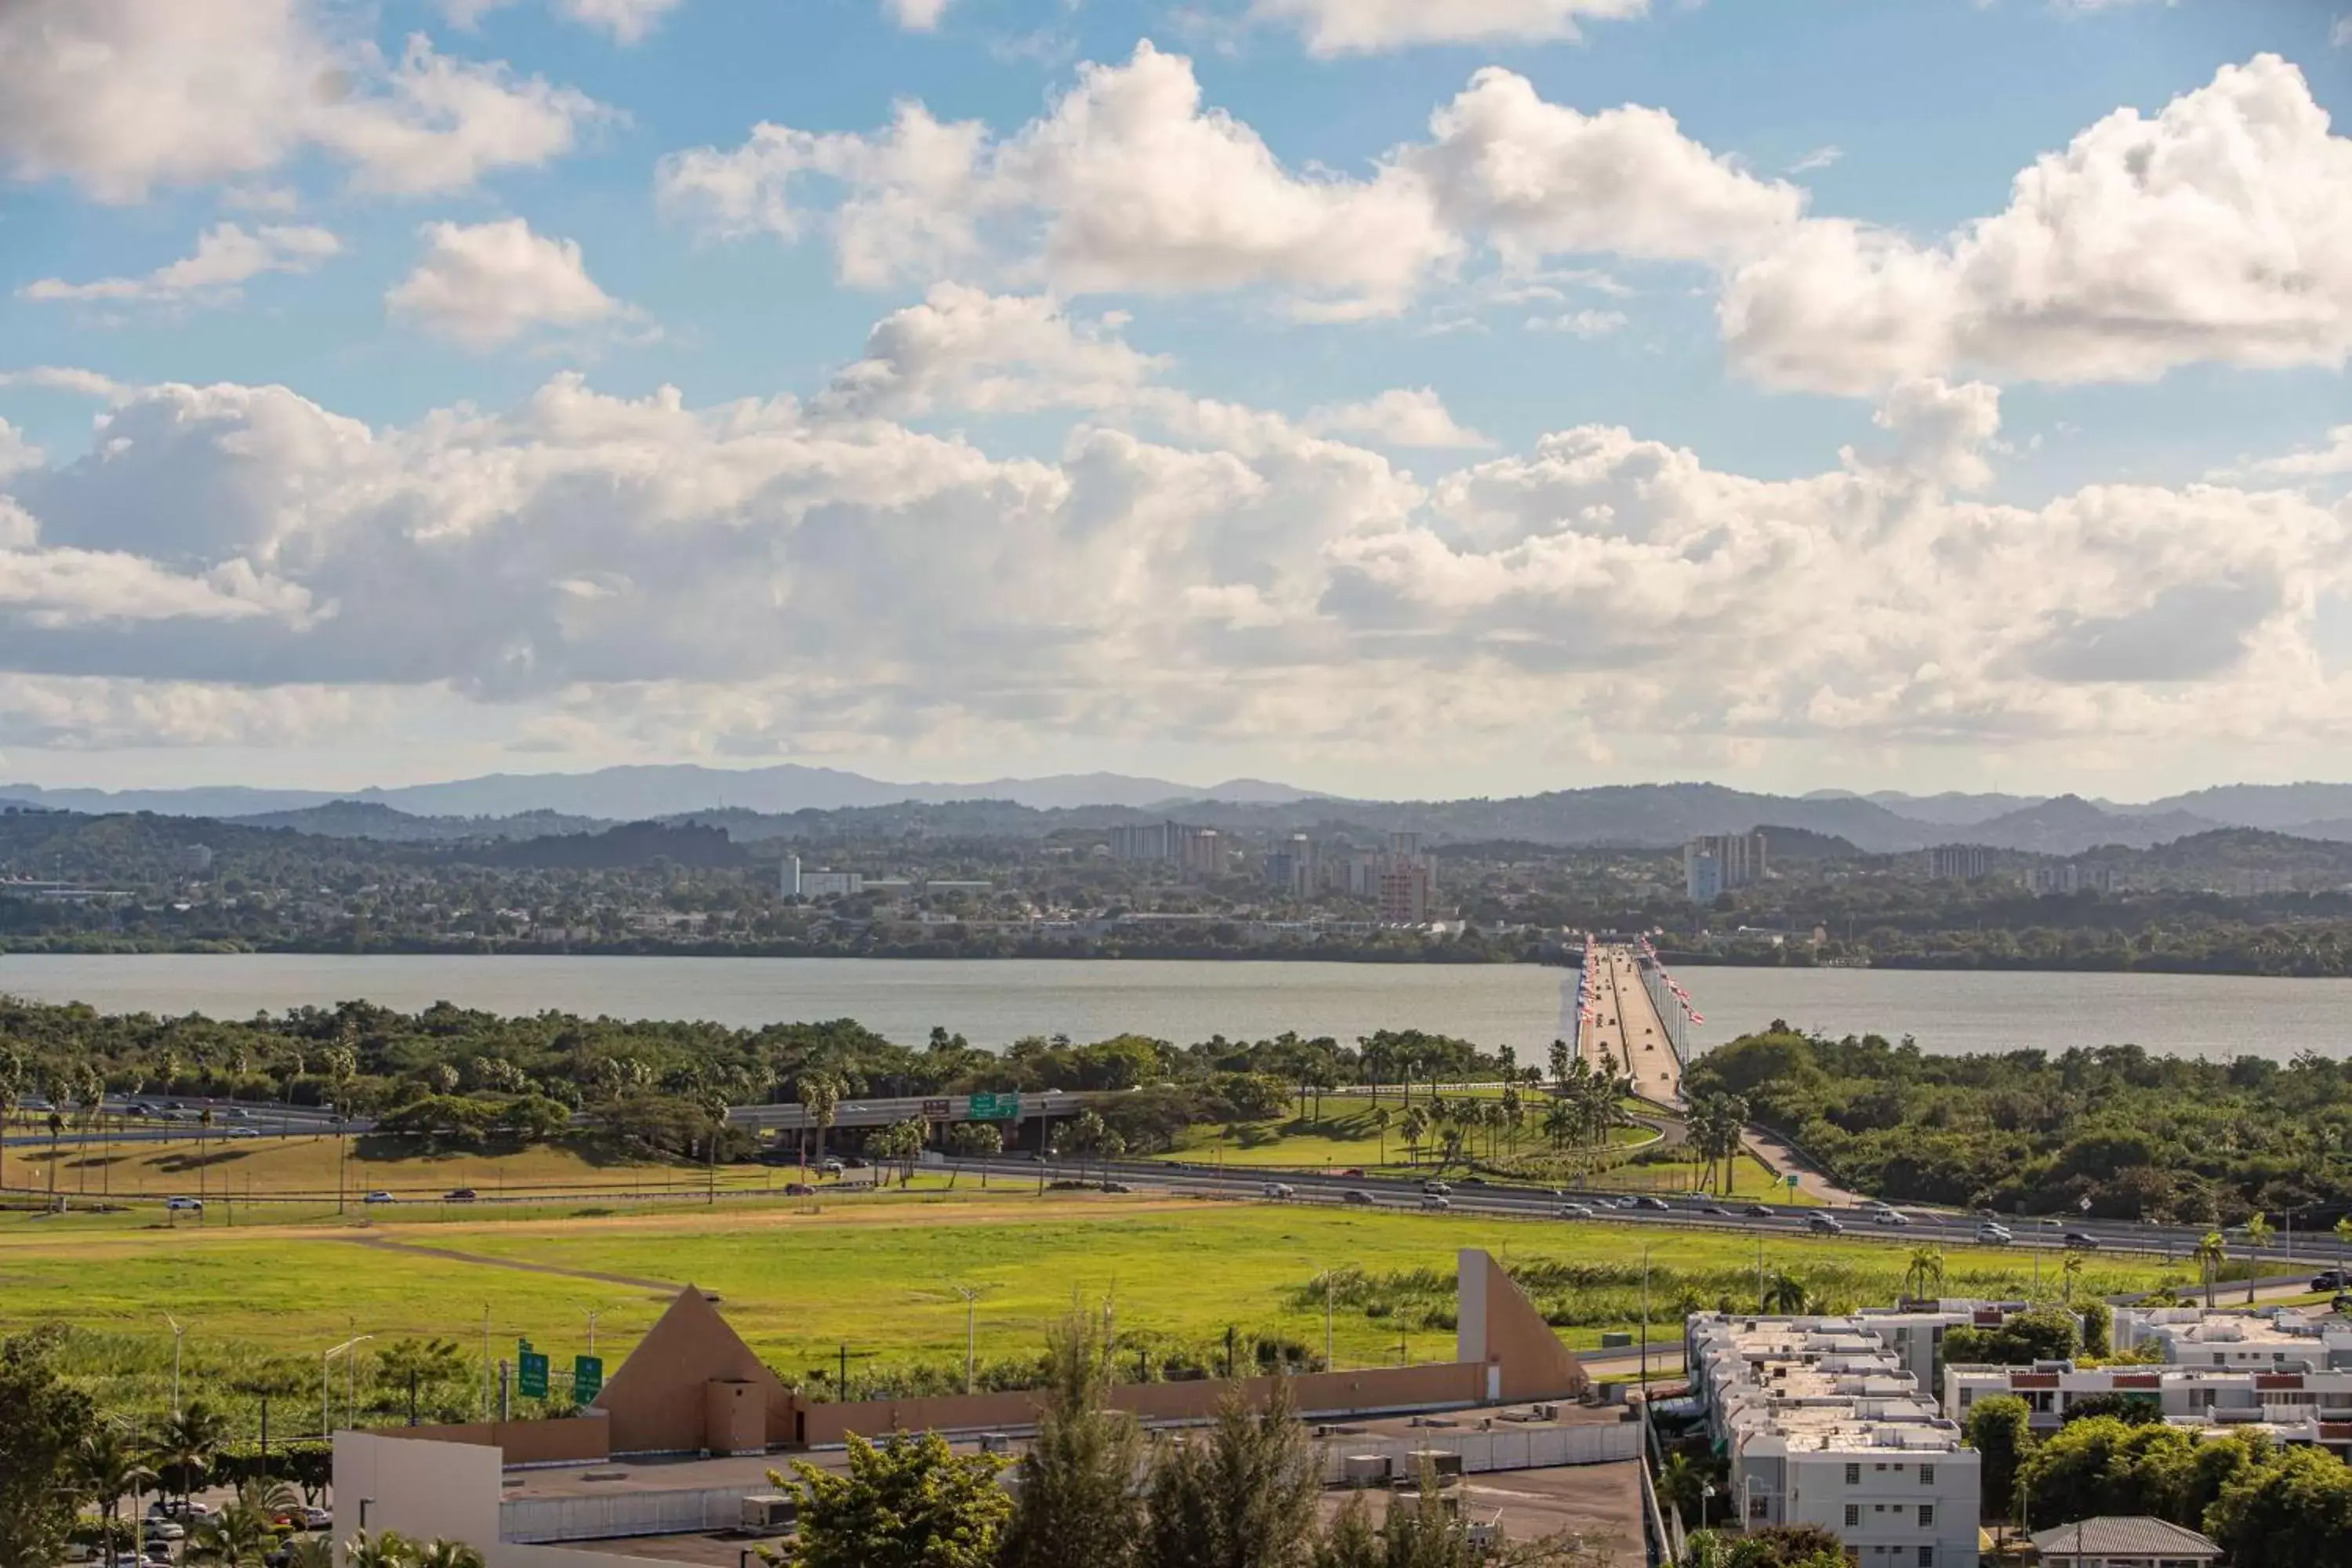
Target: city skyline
<point>1395,401</point>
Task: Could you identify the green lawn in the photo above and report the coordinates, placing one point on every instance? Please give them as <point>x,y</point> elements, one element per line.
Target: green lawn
<point>873,1276</point>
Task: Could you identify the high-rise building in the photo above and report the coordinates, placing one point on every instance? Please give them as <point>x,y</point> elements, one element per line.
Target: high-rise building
<point>1405,880</point>
<point>1714,864</point>
<point>1201,853</point>
<point>1291,867</point>
<point>788,882</point>
<point>2068,877</point>
<point>1958,862</point>
<point>1144,841</point>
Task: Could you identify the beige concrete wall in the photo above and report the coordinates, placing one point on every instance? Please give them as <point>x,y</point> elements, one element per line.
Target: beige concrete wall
<point>1316,1393</point>
<point>426,1490</point>
<point>656,1401</point>
<point>573,1440</point>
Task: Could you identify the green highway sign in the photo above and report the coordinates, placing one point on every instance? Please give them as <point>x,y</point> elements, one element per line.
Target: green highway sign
<point>995,1107</point>
<point>1791,1179</point>
<point>587,1378</point>
<point>530,1372</point>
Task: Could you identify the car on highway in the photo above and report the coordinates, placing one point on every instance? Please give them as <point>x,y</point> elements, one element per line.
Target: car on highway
<point>1873,1204</point>
<point>2081,1241</point>
<point>459,1195</point>
<point>1647,1203</point>
<point>1281,1192</point>
<point>1759,1211</point>
<point>1117,1187</point>
<point>1359,1197</point>
<point>238,1113</point>
<point>378,1198</point>
<point>184,1205</point>
<point>1823,1225</point>
<point>831,1167</point>
<point>1433,1202</point>
<point>1889,1216</point>
<point>1625,1203</point>
<point>243,1132</point>
<point>1575,1211</point>
<point>1718,1210</point>
<point>1994,1234</point>
<point>1436,1189</point>
<point>799,1190</point>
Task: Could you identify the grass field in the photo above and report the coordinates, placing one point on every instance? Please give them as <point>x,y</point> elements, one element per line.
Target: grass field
<point>227,1167</point>
<point>873,1275</point>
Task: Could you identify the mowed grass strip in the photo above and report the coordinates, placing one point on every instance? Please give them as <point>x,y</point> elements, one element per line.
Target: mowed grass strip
<point>877,1277</point>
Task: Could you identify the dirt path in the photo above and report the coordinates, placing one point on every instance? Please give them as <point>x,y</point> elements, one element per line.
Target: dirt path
<point>450,1255</point>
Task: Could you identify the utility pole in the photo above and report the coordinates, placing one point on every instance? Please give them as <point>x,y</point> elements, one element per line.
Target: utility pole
<point>1646,1328</point>
<point>486,1361</point>
<point>593,1313</point>
<point>1328,1365</point>
<point>178,1333</point>
<point>970,1294</point>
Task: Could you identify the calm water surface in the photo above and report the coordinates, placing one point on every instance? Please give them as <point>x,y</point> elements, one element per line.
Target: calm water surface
<point>993,1002</point>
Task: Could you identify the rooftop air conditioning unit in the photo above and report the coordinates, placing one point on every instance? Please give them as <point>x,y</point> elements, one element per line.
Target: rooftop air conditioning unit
<point>769,1513</point>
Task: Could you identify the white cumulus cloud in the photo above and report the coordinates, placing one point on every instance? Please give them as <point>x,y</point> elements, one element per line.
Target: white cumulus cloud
<point>1402,416</point>
<point>1361,26</point>
<point>227,256</point>
<point>628,21</point>
<point>118,96</point>
<point>488,283</point>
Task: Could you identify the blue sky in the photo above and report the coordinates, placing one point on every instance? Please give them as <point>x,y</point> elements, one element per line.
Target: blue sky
<point>402,391</point>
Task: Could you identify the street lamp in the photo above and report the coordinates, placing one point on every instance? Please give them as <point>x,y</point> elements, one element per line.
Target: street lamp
<point>326,1411</point>
<point>970,1294</point>
<point>178,1334</point>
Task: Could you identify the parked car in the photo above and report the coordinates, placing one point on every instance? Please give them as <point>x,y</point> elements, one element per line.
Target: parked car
<point>2082,1242</point>
<point>1431,1200</point>
<point>1823,1225</point>
<point>1361,1198</point>
<point>1283,1191</point>
<point>2328,1279</point>
<point>378,1198</point>
<point>178,1202</point>
<point>459,1195</point>
<point>165,1529</point>
<point>1575,1211</point>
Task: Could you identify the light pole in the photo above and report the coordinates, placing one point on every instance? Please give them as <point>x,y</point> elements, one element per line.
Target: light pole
<point>178,1333</point>
<point>326,1386</point>
<point>592,1314</point>
<point>350,1382</point>
<point>970,1294</point>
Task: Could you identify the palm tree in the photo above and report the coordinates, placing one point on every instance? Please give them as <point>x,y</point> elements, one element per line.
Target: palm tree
<point>2343,1242</point>
<point>2212,1251</point>
<point>2068,1273</point>
<point>1784,1292</point>
<point>821,1098</point>
<point>188,1442</point>
<point>107,1469</point>
<point>384,1549</point>
<point>442,1554</point>
<point>1382,1117</point>
<point>1927,1263</point>
<point>1417,1122</point>
<point>2259,1231</point>
<point>310,1552</point>
<point>245,1532</point>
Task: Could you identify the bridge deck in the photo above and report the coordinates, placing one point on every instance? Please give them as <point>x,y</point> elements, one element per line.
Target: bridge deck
<point>1627,1026</point>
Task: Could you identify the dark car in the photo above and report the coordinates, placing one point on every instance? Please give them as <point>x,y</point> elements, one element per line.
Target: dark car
<point>460,1196</point>
<point>1758,1211</point>
<point>799,1190</point>
<point>2081,1242</point>
<point>1824,1225</point>
<point>1659,1204</point>
<point>1359,1197</point>
<point>1716,1209</point>
<point>2328,1279</point>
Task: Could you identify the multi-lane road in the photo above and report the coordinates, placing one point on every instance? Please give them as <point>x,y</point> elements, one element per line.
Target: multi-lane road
<point>1625,1027</point>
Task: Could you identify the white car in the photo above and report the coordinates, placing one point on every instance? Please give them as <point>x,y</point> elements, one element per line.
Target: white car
<point>165,1529</point>
<point>1282,1190</point>
<point>1575,1211</point>
<point>195,1204</point>
<point>1995,1234</point>
<point>243,1132</point>
<point>1889,1216</point>
<point>378,1198</point>
<point>1433,1201</point>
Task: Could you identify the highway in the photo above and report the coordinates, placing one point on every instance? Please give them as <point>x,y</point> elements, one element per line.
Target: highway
<point>1626,1026</point>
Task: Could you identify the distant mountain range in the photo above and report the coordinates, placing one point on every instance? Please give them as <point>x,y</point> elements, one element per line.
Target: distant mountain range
<point>794,801</point>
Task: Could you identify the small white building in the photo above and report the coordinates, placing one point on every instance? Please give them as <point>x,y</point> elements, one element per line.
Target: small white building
<point>2125,1543</point>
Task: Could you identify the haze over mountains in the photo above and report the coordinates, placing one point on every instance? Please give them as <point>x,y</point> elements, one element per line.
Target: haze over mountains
<point>761,803</point>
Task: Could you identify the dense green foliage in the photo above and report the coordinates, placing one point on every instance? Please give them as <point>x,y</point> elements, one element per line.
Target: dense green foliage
<point>2139,1136</point>
<point>43,1425</point>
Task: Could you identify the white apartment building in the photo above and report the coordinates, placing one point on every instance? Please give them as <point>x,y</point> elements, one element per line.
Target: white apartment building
<point>2282,1372</point>
<point>1826,1422</point>
<point>831,884</point>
